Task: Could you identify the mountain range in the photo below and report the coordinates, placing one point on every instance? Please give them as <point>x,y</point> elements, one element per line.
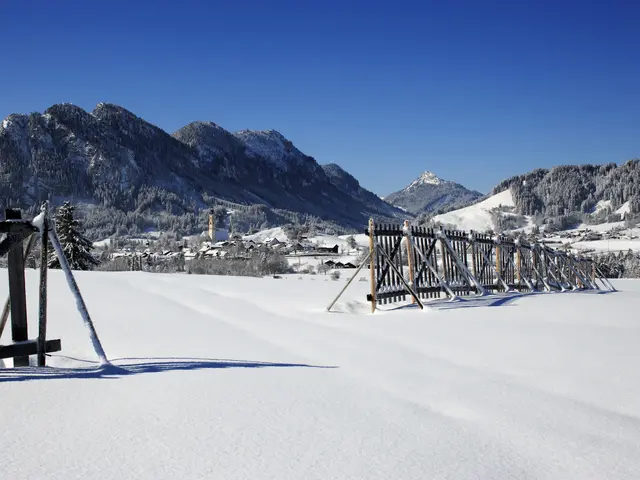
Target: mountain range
<point>127,175</point>
<point>430,194</point>
<point>112,159</point>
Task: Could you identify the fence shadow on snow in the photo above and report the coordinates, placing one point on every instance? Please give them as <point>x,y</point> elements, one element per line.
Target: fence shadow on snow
<point>134,366</point>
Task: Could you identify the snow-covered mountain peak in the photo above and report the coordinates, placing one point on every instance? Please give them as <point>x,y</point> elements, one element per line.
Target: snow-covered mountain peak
<point>429,193</point>
<point>426,178</point>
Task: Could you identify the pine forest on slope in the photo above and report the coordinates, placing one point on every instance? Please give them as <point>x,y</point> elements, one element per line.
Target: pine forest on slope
<point>130,175</point>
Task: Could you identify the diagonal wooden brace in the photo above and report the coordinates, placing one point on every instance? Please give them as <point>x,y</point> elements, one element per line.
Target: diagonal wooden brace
<point>395,269</point>
<point>431,268</point>
<point>462,267</point>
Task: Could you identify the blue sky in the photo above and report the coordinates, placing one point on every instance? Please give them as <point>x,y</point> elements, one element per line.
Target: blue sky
<point>475,91</point>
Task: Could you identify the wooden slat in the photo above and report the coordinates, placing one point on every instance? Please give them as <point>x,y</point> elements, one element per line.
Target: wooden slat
<point>30,347</point>
<point>42,314</point>
<point>372,264</point>
<point>4,316</point>
<point>16,226</point>
<point>17,291</point>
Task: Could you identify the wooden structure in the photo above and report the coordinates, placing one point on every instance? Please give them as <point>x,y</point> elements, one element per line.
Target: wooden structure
<point>427,263</point>
<point>416,263</point>
<point>20,237</point>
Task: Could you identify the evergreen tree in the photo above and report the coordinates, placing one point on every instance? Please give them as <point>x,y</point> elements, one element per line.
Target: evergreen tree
<point>76,247</point>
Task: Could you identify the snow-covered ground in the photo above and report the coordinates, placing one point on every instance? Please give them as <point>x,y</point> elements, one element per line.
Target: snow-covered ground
<point>245,378</point>
<point>477,217</point>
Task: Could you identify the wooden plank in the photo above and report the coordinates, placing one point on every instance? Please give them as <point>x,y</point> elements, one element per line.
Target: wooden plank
<point>445,275</point>
<point>411,259</point>
<point>7,305</point>
<point>372,265</point>
<point>42,314</point>
<point>10,240</point>
<point>434,262</point>
<point>17,226</point>
<point>30,347</point>
<point>17,292</point>
<point>400,265</point>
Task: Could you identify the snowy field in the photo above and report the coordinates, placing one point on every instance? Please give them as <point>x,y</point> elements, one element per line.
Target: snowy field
<point>477,217</point>
<point>244,378</point>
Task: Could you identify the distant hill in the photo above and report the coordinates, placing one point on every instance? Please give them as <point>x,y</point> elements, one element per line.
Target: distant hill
<point>569,189</point>
<point>558,198</point>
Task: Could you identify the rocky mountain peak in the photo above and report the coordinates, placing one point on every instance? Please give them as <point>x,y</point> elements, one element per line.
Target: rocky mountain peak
<point>426,178</point>
<point>429,193</point>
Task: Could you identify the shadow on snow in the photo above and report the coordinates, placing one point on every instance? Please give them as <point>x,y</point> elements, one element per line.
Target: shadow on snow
<point>492,300</point>
<point>135,366</point>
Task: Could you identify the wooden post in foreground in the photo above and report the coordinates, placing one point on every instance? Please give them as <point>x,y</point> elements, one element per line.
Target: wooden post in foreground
<point>407,237</point>
<point>17,293</point>
<point>519,262</point>
<point>4,316</point>
<point>42,316</point>
<point>372,264</point>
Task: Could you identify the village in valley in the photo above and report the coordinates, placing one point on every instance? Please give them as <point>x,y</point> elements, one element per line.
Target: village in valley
<point>318,253</point>
<point>305,251</point>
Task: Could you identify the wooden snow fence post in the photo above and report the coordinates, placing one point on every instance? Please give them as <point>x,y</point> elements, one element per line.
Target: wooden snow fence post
<point>44,259</point>
<point>7,304</point>
<point>17,230</point>
<point>372,264</point>
<point>407,235</point>
<point>17,290</point>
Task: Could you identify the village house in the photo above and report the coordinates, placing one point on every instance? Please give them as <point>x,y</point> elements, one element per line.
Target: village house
<point>327,249</point>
